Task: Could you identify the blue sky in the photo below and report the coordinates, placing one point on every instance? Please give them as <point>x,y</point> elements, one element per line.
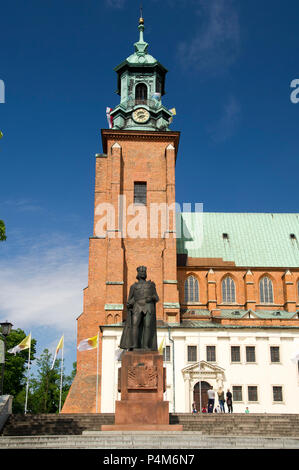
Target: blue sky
<point>230,67</point>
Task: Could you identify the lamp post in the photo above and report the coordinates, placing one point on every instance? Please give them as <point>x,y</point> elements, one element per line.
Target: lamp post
<point>5,330</point>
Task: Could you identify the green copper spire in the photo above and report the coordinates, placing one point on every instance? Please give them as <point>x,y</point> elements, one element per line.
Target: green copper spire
<point>141,46</point>
<point>141,80</point>
<point>140,55</point>
<point>141,29</point>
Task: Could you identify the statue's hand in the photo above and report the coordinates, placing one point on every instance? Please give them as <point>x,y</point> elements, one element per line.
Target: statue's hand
<point>148,300</point>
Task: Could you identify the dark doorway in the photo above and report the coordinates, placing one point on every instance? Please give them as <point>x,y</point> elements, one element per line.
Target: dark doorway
<point>203,387</point>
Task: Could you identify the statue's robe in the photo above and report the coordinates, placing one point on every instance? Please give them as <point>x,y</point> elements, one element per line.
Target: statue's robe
<point>137,304</point>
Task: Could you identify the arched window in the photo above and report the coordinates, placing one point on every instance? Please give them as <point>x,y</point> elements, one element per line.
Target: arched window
<point>228,290</point>
<point>266,291</point>
<point>140,93</point>
<point>191,289</point>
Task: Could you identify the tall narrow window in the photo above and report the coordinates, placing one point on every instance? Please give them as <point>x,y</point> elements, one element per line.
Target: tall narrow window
<point>191,289</point>
<point>237,393</point>
<point>140,193</point>
<point>211,353</point>
<point>140,93</point>
<point>235,354</point>
<point>266,291</point>
<point>277,393</point>
<point>228,290</point>
<point>274,351</point>
<point>252,393</point>
<point>192,353</point>
<point>250,353</point>
<point>166,354</point>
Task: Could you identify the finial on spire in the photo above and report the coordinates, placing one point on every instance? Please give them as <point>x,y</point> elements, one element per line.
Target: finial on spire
<point>141,26</point>
<point>141,20</point>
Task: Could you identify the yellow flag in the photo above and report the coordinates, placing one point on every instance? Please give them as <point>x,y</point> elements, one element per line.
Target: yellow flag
<point>161,346</point>
<point>173,111</point>
<point>25,344</point>
<point>59,346</point>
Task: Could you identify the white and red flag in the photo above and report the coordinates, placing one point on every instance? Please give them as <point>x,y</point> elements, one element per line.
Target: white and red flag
<point>88,343</point>
<point>109,117</point>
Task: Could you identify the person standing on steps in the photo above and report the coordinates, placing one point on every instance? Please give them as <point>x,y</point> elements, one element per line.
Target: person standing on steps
<point>211,397</point>
<point>229,401</point>
<point>221,399</point>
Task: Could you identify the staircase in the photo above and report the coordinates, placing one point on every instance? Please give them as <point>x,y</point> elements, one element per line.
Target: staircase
<point>54,424</point>
<point>83,431</point>
<point>273,425</point>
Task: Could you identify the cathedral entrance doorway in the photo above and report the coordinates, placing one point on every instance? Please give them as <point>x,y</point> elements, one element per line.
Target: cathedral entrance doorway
<point>200,394</point>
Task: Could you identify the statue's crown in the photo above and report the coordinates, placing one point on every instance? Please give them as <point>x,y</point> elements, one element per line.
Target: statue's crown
<point>141,268</point>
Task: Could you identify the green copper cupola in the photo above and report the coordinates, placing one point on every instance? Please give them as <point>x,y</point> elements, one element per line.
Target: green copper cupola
<point>140,84</point>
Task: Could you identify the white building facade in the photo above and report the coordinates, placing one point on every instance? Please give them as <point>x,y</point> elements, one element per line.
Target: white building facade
<point>255,364</point>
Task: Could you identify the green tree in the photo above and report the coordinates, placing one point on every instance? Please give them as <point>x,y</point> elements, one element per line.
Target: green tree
<point>44,387</point>
<point>44,391</point>
<point>15,374</point>
<point>2,231</point>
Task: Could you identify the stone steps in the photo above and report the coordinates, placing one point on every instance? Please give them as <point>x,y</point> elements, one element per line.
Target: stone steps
<point>207,425</point>
<point>44,424</point>
<point>147,440</point>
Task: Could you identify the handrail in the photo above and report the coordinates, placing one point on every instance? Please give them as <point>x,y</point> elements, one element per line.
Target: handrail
<point>131,102</point>
<point>5,409</point>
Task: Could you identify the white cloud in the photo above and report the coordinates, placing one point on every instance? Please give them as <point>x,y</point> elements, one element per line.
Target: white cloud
<point>21,205</point>
<point>227,124</point>
<point>43,286</point>
<point>215,46</point>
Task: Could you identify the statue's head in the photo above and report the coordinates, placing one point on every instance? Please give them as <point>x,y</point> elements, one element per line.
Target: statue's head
<point>141,272</point>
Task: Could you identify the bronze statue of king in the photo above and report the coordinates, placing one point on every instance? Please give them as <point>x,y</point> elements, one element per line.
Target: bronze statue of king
<point>140,330</point>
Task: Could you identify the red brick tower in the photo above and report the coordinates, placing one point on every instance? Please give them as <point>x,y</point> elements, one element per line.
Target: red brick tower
<point>135,185</point>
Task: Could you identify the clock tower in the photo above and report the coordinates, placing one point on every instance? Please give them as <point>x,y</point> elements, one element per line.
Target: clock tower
<point>140,84</point>
<point>135,181</point>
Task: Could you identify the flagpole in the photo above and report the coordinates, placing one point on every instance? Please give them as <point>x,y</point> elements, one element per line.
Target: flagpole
<point>97,382</point>
<point>61,373</point>
<point>28,371</point>
<point>200,404</point>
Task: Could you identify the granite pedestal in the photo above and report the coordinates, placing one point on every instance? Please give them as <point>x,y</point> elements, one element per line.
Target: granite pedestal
<point>142,382</point>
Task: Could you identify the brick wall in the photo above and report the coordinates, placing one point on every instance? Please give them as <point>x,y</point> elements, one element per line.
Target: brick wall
<point>129,157</point>
<point>285,288</point>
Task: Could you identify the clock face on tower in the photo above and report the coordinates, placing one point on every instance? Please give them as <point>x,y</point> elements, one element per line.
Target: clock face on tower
<point>141,115</point>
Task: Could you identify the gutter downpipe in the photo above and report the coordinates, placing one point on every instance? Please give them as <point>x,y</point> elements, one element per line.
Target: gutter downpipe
<point>173,370</point>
